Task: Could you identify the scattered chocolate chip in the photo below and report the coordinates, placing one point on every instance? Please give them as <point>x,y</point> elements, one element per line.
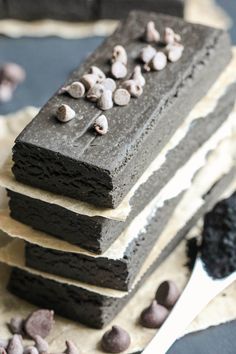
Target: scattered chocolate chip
<point>95,92</point>
<point>147,53</point>
<point>133,88</point>
<point>167,294</point>
<point>118,70</point>
<point>16,325</point>
<point>39,322</point>
<point>174,52</point>
<point>154,315</point>
<point>105,102</point>
<point>15,345</point>
<point>98,72</point>
<point>170,37</point>
<point>76,89</point>
<point>6,91</point>
<point>13,73</point>
<point>137,76</point>
<point>4,343</point>
<point>41,344</point>
<point>89,80</point>
<point>31,350</point>
<point>101,125</point>
<point>71,348</point>
<point>115,340</point>
<point>121,97</point>
<point>151,34</point>
<point>119,54</point>
<point>159,61</point>
<point>109,84</point>
<point>65,113</point>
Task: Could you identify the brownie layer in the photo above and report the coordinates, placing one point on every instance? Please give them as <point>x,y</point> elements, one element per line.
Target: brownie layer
<point>84,10</point>
<point>101,170</point>
<point>84,306</point>
<point>96,234</point>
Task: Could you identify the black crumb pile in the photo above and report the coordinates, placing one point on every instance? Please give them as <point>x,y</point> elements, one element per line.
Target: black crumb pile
<point>218,247</point>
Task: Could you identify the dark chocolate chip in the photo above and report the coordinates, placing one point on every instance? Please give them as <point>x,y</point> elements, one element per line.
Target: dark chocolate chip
<point>15,345</point>
<point>71,348</point>
<point>40,323</point>
<point>16,325</point>
<point>115,340</point>
<point>167,294</point>
<point>41,344</point>
<point>154,315</point>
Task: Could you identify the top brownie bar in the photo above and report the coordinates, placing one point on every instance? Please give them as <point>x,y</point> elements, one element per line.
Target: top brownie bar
<point>70,159</point>
<point>84,10</point>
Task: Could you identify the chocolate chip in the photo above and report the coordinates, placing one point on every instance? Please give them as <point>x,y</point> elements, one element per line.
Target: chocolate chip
<point>170,37</point>
<point>137,76</point>
<point>89,80</point>
<point>31,350</point>
<point>167,294</point>
<point>109,84</point>
<point>98,72</point>
<point>147,53</point>
<point>133,88</point>
<point>118,70</point>
<point>175,52</point>
<point>105,102</point>
<point>16,325</point>
<point>121,97</point>
<point>71,348</point>
<point>154,315</point>
<point>95,92</point>
<point>76,89</point>
<point>119,54</point>
<point>12,72</point>
<point>41,344</point>
<point>65,113</point>
<point>101,125</point>
<point>115,340</point>
<point>15,345</point>
<point>159,61</point>
<point>151,34</point>
<point>40,322</point>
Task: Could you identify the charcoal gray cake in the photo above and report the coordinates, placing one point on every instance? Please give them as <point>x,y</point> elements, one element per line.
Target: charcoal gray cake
<point>84,10</point>
<point>105,183</point>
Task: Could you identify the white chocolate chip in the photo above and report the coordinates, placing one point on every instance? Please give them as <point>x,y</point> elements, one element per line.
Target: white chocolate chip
<point>89,80</point>
<point>97,71</point>
<point>175,52</point>
<point>118,70</point>
<point>147,53</point>
<point>105,102</point>
<point>159,61</point>
<point>109,84</point>
<point>65,113</point>
<point>101,125</point>
<point>151,34</point>
<point>119,54</point>
<point>138,76</point>
<point>95,92</point>
<point>76,89</point>
<point>121,97</point>
<point>170,37</point>
<point>133,88</point>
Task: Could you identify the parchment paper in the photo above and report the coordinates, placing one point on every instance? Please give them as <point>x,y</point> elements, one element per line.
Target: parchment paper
<point>200,11</point>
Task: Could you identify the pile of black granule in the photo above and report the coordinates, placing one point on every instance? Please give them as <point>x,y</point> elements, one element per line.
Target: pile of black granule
<point>218,246</point>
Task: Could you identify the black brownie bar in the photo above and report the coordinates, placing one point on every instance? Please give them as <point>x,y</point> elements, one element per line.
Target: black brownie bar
<point>89,308</point>
<point>70,159</point>
<point>84,10</point>
<point>97,233</point>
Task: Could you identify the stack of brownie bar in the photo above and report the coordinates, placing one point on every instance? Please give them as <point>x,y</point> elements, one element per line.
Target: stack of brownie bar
<point>91,216</point>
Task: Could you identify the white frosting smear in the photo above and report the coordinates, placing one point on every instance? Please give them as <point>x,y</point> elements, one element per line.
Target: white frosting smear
<point>201,110</point>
